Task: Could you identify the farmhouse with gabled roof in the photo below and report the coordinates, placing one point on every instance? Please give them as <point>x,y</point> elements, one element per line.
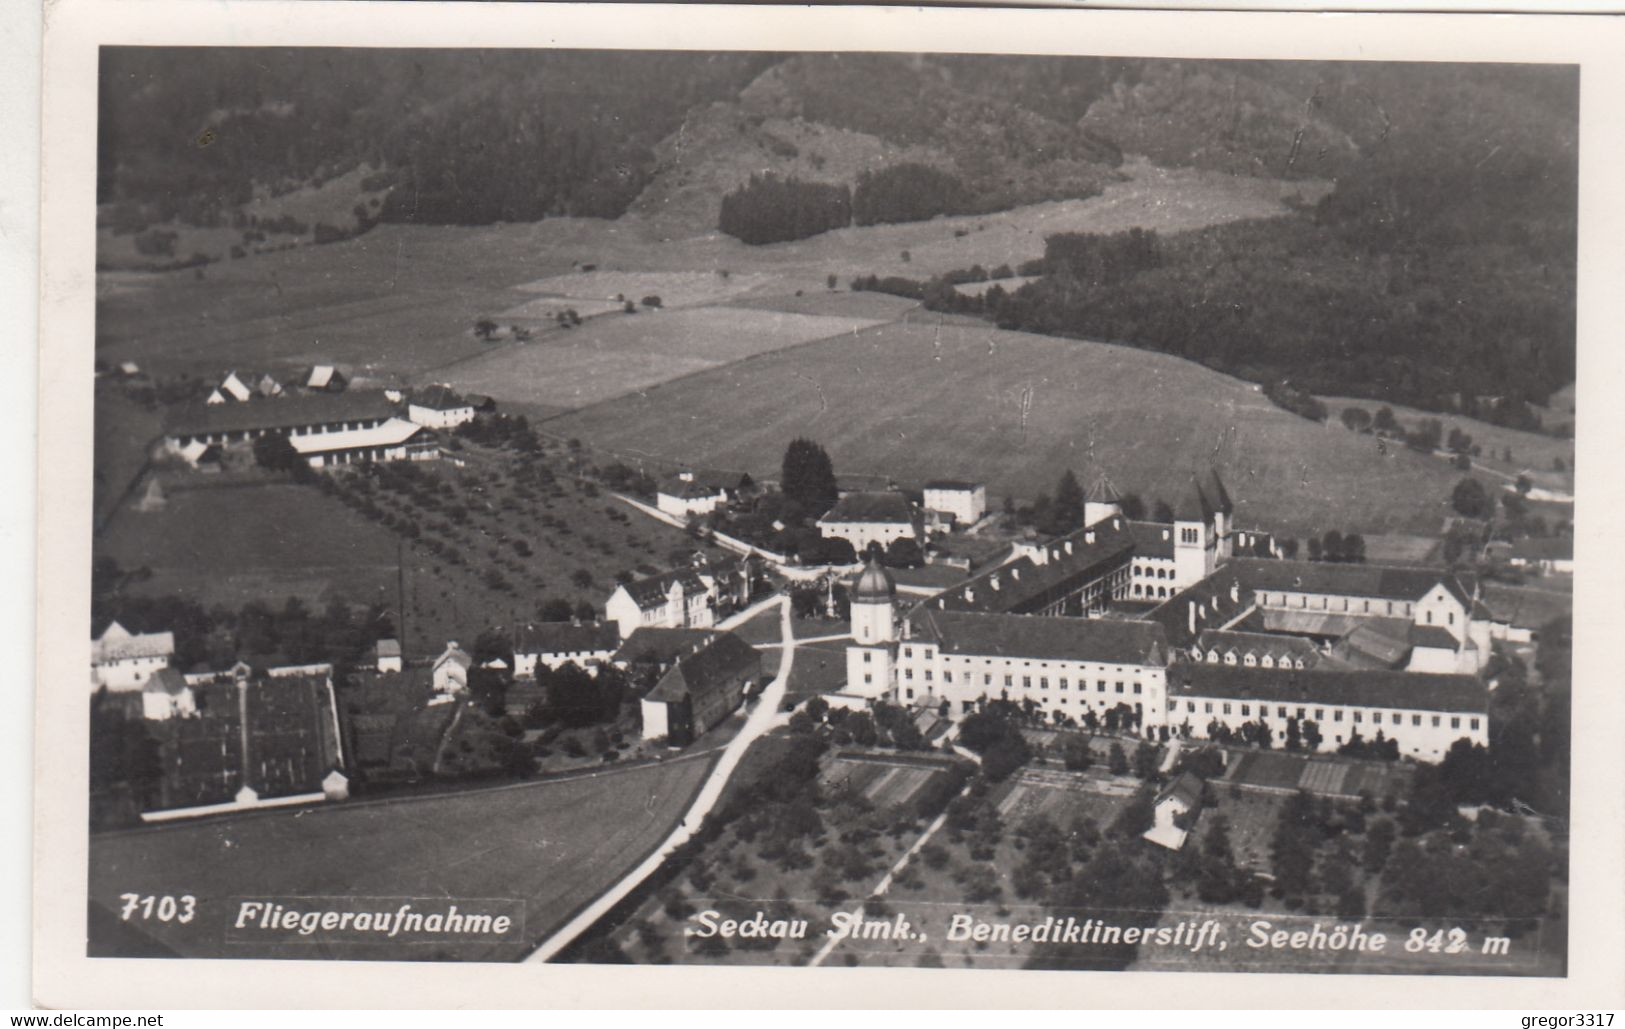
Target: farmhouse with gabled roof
<point>701,689</point>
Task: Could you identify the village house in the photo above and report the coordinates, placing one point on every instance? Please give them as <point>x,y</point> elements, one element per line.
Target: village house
<point>231,388</point>
<point>552,645</point>
<point>122,660</point>
<point>685,494</point>
<point>679,599</point>
<point>166,695</point>
<point>324,378</point>
<point>964,502</point>
<point>659,649</point>
<point>387,653</point>
<point>865,518</point>
<point>701,690</point>
<point>1174,811</point>
<point>439,407</point>
<point>449,672</point>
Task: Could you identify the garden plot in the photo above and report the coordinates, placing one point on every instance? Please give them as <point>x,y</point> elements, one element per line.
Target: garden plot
<point>1338,777</point>
<point>619,354</point>
<point>1062,797</point>
<point>675,289</point>
<point>883,784</point>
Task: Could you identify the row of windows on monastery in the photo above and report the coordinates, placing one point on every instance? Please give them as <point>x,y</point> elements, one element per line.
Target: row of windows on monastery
<point>1157,591</point>
<point>1356,715</point>
<point>1062,682</point>
<point>968,706</point>
<point>1251,660</point>
<point>926,653</point>
<point>1346,604</point>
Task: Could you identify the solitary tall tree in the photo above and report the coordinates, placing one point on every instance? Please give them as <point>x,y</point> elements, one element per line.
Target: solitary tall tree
<point>1470,499</point>
<point>807,477</point>
<point>1068,503</point>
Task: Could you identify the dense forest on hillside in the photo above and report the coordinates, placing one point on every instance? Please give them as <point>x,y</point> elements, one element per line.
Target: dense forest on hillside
<point>768,209</point>
<point>467,136</point>
<point>1440,272</point>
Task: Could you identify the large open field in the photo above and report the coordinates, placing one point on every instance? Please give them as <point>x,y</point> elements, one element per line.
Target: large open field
<point>621,353</point>
<point>919,400</point>
<point>399,303</point>
<point>228,544</point>
<point>551,846</point>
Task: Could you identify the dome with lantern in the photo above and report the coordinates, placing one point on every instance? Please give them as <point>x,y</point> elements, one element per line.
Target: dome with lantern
<point>875,585</point>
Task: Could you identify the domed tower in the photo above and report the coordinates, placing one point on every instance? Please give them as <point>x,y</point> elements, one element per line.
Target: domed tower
<point>873,651</point>
<point>874,600</point>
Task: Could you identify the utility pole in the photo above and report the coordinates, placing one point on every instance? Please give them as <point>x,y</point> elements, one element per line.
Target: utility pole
<point>400,592</point>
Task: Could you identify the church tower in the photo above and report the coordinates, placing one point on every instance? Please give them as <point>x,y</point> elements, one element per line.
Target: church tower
<point>870,657</point>
<point>1223,509</point>
<point>1195,541</point>
<point>1102,501</point>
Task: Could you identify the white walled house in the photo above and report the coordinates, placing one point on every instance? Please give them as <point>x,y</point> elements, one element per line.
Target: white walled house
<point>1175,805</point>
<point>552,645</point>
<point>326,378</point>
<point>865,518</point>
<point>167,695</point>
<point>678,599</point>
<point>388,654</point>
<point>122,660</point>
<point>231,388</point>
<point>965,502</point>
<point>438,407</point>
<point>449,672</point>
<point>683,495</point>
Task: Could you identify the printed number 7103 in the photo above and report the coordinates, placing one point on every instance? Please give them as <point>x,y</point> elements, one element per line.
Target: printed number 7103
<point>166,908</point>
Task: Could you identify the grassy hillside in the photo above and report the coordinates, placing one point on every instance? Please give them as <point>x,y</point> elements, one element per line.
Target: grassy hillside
<point>1013,409</point>
<point>400,302</point>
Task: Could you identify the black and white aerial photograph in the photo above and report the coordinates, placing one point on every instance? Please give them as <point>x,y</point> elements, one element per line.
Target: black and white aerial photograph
<point>831,509</point>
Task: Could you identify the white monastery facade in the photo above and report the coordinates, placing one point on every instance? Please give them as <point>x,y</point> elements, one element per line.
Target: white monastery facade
<point>1355,649</point>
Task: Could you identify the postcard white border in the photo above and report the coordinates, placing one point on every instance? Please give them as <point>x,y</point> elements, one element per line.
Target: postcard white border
<point>75,28</point>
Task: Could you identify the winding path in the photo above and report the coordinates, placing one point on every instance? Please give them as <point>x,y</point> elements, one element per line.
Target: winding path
<point>763,717</point>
